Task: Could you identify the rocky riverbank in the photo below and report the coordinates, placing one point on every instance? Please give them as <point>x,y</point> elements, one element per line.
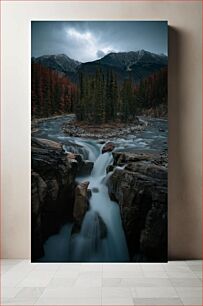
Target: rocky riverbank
<point>103,131</point>
<point>139,186</point>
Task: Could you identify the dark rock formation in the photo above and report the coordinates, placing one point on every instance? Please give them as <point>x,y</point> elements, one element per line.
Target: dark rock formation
<point>108,147</point>
<point>110,168</point>
<point>86,167</point>
<point>81,203</point>
<point>141,192</point>
<point>53,184</point>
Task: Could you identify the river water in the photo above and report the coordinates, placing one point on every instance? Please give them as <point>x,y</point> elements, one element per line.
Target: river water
<point>88,245</point>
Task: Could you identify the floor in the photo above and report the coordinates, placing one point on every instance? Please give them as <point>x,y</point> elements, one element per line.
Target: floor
<point>174,283</point>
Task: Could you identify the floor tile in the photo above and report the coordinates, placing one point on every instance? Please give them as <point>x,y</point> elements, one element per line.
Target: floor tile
<point>153,292</point>
<point>153,268</point>
<point>46,267</point>
<point>74,292</point>
<point>193,262</point>
<point>91,267</point>
<point>189,291</point>
<point>116,292</point>
<point>90,274</point>
<point>196,268</point>
<point>173,283</point>
<point>198,274</point>
<point>97,282</point>
<point>75,267</point>
<point>21,301</point>
<point>123,274</point>
<point>122,268</point>
<point>30,292</point>
<point>14,276</point>
<point>5,268</point>
<point>37,279</point>
<point>157,301</point>
<point>9,292</point>
<point>147,282</point>
<point>67,274</point>
<point>193,301</point>
<point>176,268</point>
<point>177,263</point>
<point>185,282</point>
<point>61,282</point>
<point>155,274</point>
<point>117,301</point>
<point>112,282</point>
<point>69,301</point>
<point>179,274</point>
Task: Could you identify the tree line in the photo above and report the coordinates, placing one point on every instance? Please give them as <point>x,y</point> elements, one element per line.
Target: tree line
<point>103,99</point>
<point>97,98</point>
<point>51,92</point>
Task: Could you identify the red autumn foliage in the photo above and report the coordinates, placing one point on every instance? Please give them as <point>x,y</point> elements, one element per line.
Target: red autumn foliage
<point>52,93</point>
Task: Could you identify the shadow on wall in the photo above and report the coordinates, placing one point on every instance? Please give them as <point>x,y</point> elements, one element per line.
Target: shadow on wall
<point>184,227</point>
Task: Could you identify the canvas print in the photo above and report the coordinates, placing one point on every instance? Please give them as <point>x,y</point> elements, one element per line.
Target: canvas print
<point>99,153</point>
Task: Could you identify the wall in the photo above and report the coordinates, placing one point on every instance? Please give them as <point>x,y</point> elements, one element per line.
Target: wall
<point>185,49</point>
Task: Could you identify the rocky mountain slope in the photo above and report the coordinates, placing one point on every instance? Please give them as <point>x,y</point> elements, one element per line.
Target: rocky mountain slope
<point>61,63</point>
<point>137,64</point>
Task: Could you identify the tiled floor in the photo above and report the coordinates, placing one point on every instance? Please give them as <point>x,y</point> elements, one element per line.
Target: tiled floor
<point>174,283</point>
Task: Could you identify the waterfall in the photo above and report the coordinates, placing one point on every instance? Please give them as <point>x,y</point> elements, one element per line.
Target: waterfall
<point>88,245</point>
<point>101,163</point>
<point>101,238</point>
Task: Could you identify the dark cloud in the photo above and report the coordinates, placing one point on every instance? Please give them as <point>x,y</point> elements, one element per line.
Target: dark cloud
<point>87,41</point>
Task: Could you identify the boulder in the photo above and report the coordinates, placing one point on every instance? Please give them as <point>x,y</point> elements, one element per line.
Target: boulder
<point>110,168</point>
<point>81,203</point>
<point>141,192</point>
<point>108,147</point>
<point>71,155</point>
<point>85,168</point>
<point>122,158</point>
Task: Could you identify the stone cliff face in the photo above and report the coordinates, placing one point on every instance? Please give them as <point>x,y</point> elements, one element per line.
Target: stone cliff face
<point>140,188</point>
<point>53,190</point>
<point>81,204</point>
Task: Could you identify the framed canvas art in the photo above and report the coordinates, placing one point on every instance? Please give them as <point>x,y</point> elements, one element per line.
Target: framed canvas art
<point>99,152</point>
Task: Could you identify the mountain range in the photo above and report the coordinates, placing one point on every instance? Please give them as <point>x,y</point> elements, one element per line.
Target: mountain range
<point>136,64</point>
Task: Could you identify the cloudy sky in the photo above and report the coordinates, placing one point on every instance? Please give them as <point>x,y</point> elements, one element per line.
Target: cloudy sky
<point>87,41</point>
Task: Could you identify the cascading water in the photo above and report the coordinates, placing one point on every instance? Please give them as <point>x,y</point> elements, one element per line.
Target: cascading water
<point>88,245</point>
<point>101,238</point>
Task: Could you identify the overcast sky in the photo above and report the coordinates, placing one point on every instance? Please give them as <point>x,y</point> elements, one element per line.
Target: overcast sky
<point>87,41</point>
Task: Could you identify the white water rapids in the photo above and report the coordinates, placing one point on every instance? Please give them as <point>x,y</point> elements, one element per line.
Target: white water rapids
<point>87,245</point>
